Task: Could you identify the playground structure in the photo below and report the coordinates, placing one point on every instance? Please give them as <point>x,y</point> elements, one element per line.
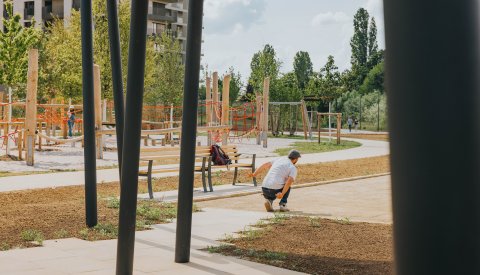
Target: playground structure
<point>27,124</point>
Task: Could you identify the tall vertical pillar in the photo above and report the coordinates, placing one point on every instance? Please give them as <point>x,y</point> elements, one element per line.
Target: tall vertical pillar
<point>88,114</point>
<point>432,65</point>
<point>132,134</point>
<point>189,133</point>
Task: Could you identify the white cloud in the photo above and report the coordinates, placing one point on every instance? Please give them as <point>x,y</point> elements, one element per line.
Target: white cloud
<point>330,18</point>
<point>224,16</point>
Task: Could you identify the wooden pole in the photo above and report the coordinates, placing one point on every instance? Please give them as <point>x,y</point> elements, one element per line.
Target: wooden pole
<point>97,90</point>
<point>226,106</point>
<point>208,105</point>
<point>31,105</point>
<point>304,120</point>
<point>2,107</point>
<point>266,91</point>
<point>215,103</point>
<point>19,144</point>
<point>339,127</point>
<point>258,117</point>
<point>64,122</point>
<point>9,119</point>
<point>104,110</point>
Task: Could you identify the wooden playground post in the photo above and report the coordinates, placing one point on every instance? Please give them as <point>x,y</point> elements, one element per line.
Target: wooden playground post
<point>258,117</point>
<point>63,121</point>
<point>304,119</point>
<point>1,106</point>
<point>19,144</point>
<point>31,105</point>
<point>215,98</point>
<point>266,91</point>
<point>9,120</point>
<point>97,98</point>
<point>226,106</point>
<point>307,127</point>
<point>208,106</point>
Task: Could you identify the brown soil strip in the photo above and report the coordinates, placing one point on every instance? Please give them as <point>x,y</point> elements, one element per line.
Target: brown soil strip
<point>60,212</point>
<point>380,137</point>
<point>317,246</point>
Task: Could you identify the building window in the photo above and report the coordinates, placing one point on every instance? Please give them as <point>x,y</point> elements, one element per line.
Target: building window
<point>158,28</point>
<point>28,24</point>
<point>29,10</point>
<point>48,6</point>
<point>76,4</point>
<point>159,9</point>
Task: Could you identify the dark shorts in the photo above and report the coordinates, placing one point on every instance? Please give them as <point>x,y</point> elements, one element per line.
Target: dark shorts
<point>271,194</point>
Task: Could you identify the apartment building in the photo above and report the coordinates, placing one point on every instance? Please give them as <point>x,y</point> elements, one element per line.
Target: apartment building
<point>171,16</point>
<point>41,10</point>
<point>163,15</point>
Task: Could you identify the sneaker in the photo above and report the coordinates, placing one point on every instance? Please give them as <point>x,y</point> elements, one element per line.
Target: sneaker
<point>268,205</point>
<point>283,208</point>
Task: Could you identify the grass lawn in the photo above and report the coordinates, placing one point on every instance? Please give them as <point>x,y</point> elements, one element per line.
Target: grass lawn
<point>306,147</point>
<point>314,245</point>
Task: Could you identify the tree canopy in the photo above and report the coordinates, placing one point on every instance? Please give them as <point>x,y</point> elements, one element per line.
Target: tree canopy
<point>15,43</point>
<point>264,64</point>
<point>303,68</point>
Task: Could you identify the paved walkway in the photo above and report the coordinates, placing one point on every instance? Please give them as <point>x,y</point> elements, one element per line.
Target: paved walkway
<point>365,200</point>
<point>154,251</point>
<point>369,148</point>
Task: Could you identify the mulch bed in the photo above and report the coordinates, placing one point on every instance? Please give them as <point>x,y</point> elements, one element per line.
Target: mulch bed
<point>317,246</point>
<point>380,137</point>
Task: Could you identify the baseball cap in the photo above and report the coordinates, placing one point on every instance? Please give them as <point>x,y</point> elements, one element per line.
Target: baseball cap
<point>294,154</point>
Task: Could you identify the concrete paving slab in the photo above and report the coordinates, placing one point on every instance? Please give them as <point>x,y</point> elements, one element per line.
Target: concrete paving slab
<point>154,252</point>
<point>366,200</point>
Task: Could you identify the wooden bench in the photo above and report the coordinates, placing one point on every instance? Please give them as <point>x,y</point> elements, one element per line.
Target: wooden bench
<point>202,153</point>
<point>156,155</point>
<point>235,156</point>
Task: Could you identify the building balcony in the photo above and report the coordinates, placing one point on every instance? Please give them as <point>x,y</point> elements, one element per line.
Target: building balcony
<point>180,22</point>
<point>161,17</point>
<point>161,14</point>
<point>176,7</point>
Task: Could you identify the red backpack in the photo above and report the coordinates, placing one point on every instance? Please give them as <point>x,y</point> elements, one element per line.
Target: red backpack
<point>218,156</point>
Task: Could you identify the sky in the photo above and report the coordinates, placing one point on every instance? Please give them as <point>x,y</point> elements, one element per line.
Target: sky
<point>236,29</point>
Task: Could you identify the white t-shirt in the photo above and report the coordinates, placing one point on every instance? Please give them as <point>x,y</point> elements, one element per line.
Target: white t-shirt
<point>279,172</point>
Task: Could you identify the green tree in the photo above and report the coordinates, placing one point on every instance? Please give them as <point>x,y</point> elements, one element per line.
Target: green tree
<point>303,68</point>
<point>359,41</point>
<point>60,70</point>
<point>15,43</point>
<point>286,89</point>
<point>235,84</point>
<point>264,64</point>
<point>328,83</point>
<point>168,89</point>
<point>374,80</point>
<point>372,43</point>
<point>61,56</point>
<point>365,52</point>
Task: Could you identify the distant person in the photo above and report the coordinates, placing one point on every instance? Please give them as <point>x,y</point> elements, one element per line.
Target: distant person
<point>356,124</point>
<point>279,179</point>
<point>71,120</point>
<point>350,123</point>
